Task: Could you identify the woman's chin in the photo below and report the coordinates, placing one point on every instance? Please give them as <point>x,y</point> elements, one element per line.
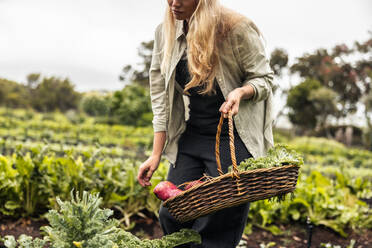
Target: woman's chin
<point>179,17</point>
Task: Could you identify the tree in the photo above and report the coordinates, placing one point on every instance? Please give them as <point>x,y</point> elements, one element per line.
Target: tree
<point>364,72</point>
<point>324,101</point>
<point>302,110</point>
<point>349,79</point>
<point>368,108</point>
<point>33,80</point>
<point>278,61</point>
<point>131,106</point>
<point>53,93</point>
<point>13,94</point>
<point>140,76</point>
<point>368,113</point>
<point>95,105</point>
<point>332,72</point>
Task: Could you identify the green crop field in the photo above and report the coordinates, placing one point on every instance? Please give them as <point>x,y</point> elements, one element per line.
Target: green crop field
<point>43,157</point>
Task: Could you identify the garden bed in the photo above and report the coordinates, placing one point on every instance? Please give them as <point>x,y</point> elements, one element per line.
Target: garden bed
<point>294,235</point>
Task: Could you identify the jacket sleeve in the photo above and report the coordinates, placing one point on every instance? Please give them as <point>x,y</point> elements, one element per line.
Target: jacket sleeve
<point>157,85</point>
<point>254,63</point>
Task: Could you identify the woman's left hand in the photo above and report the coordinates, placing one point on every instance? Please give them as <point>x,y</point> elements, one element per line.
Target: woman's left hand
<point>233,100</point>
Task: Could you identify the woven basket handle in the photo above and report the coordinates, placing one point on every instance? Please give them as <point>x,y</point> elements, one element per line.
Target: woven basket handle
<point>232,146</point>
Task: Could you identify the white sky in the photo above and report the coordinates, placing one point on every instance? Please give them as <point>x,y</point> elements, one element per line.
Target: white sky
<point>89,41</point>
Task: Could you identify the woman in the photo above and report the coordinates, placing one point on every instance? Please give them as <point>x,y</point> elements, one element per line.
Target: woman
<point>207,60</point>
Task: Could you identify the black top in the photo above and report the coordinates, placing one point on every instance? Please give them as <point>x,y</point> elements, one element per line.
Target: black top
<point>204,109</point>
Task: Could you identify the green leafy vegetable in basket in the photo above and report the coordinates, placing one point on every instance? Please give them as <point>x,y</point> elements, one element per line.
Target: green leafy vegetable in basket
<point>277,156</point>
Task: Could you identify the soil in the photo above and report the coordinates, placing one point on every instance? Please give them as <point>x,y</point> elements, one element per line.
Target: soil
<point>294,235</point>
<point>16,227</point>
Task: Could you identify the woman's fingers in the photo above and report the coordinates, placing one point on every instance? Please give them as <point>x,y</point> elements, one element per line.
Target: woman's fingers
<point>226,106</point>
<point>229,105</point>
<point>146,171</point>
<point>140,176</point>
<point>144,176</point>
<point>148,176</point>
<point>235,108</point>
<point>222,107</point>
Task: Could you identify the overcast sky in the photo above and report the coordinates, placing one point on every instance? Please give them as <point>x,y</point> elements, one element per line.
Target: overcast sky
<point>89,41</point>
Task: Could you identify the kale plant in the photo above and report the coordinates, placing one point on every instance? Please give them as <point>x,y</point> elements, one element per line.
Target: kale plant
<point>24,241</point>
<point>81,223</point>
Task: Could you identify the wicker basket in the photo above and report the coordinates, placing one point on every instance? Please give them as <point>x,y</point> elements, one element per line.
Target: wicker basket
<point>232,189</point>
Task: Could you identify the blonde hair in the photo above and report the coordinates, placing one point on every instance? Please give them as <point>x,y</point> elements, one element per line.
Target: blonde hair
<point>208,26</point>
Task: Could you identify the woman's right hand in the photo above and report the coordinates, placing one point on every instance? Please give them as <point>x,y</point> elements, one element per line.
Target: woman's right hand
<point>147,169</point>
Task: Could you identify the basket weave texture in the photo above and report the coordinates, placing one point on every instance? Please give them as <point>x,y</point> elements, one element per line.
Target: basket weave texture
<point>232,189</point>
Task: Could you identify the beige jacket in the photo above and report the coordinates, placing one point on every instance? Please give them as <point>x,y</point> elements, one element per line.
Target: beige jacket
<point>242,61</point>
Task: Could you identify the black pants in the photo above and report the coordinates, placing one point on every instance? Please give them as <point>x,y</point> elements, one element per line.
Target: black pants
<point>196,156</point>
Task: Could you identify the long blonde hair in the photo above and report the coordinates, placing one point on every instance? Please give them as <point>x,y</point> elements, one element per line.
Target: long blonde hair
<point>208,25</point>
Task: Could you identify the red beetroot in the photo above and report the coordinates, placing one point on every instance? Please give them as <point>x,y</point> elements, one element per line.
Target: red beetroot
<point>165,190</point>
<point>174,192</point>
<point>192,184</point>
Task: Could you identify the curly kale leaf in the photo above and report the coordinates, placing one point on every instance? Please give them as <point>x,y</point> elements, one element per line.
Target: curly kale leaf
<point>278,156</point>
<point>184,236</point>
<point>24,241</point>
<point>82,224</point>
